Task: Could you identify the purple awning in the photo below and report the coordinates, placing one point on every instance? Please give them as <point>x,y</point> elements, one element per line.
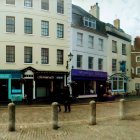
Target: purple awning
<point>88,75</point>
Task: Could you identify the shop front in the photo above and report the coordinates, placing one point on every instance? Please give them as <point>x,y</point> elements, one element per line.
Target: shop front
<point>118,82</point>
<point>10,85</point>
<point>87,82</point>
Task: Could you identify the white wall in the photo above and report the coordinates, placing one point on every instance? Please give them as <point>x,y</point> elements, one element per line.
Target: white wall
<point>19,39</point>
<point>86,51</point>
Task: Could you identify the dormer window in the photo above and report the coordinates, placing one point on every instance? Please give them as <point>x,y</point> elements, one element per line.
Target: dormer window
<point>89,22</point>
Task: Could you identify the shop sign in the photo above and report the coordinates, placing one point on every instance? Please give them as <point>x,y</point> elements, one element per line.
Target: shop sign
<point>45,77</point>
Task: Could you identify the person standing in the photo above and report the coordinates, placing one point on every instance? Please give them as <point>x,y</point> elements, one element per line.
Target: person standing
<point>67,99</point>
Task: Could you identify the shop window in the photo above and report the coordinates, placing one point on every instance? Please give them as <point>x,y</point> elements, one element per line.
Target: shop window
<point>15,86</point>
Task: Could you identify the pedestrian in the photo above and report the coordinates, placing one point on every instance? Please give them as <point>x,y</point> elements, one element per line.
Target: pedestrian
<point>66,99</point>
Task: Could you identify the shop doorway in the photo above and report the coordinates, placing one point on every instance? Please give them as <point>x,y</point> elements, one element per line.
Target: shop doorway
<point>4,90</point>
<point>28,89</point>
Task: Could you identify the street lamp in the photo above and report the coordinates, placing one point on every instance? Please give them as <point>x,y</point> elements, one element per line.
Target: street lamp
<point>69,67</point>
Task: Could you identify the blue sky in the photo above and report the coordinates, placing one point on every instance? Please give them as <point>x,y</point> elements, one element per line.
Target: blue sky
<point>128,11</point>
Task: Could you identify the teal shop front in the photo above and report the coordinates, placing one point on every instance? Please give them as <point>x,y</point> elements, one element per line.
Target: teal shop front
<point>10,85</point>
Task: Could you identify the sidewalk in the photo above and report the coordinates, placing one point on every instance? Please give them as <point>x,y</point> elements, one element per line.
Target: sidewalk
<point>35,123</point>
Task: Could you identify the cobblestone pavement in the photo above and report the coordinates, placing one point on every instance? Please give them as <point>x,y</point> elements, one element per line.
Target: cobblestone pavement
<point>34,123</point>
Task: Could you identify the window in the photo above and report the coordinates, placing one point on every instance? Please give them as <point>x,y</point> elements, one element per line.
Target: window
<point>79,61</point>
<point>27,54</point>
<point>44,28</point>
<point>45,4</point>
<point>137,58</point>
<point>10,53</point>
<point>79,39</point>
<point>44,55</point>
<point>59,56</point>
<point>28,3</point>
<point>114,46</point>
<point>100,64</point>
<point>60,30</point>
<point>114,65</point>
<point>90,62</point>
<point>137,85</point>
<point>10,2</point>
<point>90,41</point>
<point>118,83</point>
<point>10,24</point>
<point>15,86</point>
<point>89,22</point>
<point>60,6</point>
<point>123,49</point>
<point>100,44</point>
<point>138,70</point>
<point>28,26</point>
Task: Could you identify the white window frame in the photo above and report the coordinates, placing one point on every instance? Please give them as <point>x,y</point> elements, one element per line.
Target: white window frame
<point>101,44</point>
<point>137,71</point>
<point>137,58</point>
<point>89,23</point>
<point>114,46</point>
<point>91,41</point>
<point>79,39</point>
<point>10,2</point>
<point>28,3</point>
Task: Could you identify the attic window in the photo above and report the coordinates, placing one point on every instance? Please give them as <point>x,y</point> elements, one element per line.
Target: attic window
<point>89,23</point>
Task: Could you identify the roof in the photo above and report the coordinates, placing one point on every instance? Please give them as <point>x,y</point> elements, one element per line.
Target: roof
<point>77,20</point>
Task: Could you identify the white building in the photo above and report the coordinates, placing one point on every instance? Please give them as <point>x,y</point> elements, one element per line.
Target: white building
<point>89,49</point>
<point>118,60</point>
<point>34,43</point>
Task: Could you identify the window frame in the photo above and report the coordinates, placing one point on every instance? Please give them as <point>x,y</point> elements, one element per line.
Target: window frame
<point>114,65</point>
<point>28,55</point>
<point>79,61</point>
<point>10,27</point>
<point>60,30</point>
<point>28,3</point>
<point>100,66</point>
<point>79,39</point>
<point>91,41</point>
<point>114,46</point>
<point>44,28</point>
<point>124,49</point>
<point>45,3</point>
<point>101,44</point>
<point>60,57</point>
<point>9,2</point>
<point>10,54</point>
<point>137,58</point>
<point>138,69</point>
<point>60,6</point>
<point>44,55</point>
<point>90,62</point>
<point>29,26</point>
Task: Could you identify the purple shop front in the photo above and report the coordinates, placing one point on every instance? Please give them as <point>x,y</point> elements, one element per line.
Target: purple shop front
<point>88,75</point>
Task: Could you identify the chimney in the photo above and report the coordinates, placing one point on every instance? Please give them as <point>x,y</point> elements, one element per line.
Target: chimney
<point>95,11</point>
<point>117,23</point>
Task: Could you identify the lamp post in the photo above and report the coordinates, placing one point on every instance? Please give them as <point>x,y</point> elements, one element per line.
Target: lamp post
<point>69,67</point>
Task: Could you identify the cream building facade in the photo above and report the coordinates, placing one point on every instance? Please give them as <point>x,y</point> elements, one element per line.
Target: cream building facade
<point>34,45</point>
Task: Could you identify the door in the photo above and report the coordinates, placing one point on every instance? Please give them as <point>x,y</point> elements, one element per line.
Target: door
<point>3,90</point>
<point>28,89</point>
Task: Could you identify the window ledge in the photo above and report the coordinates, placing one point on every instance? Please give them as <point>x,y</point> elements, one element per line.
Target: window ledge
<point>28,63</point>
<point>12,5</point>
<point>29,34</point>
<point>43,36</point>
<point>62,14</point>
<point>28,7</point>
<point>43,10</point>
<point>60,38</point>
<point>11,33</point>
<point>11,63</point>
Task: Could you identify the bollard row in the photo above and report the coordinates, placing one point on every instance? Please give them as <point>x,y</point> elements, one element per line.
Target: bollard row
<point>92,120</point>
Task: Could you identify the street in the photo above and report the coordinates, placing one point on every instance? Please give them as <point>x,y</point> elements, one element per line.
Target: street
<point>34,122</point>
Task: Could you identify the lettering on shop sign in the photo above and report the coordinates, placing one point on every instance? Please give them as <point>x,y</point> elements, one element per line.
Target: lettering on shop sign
<point>45,77</point>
